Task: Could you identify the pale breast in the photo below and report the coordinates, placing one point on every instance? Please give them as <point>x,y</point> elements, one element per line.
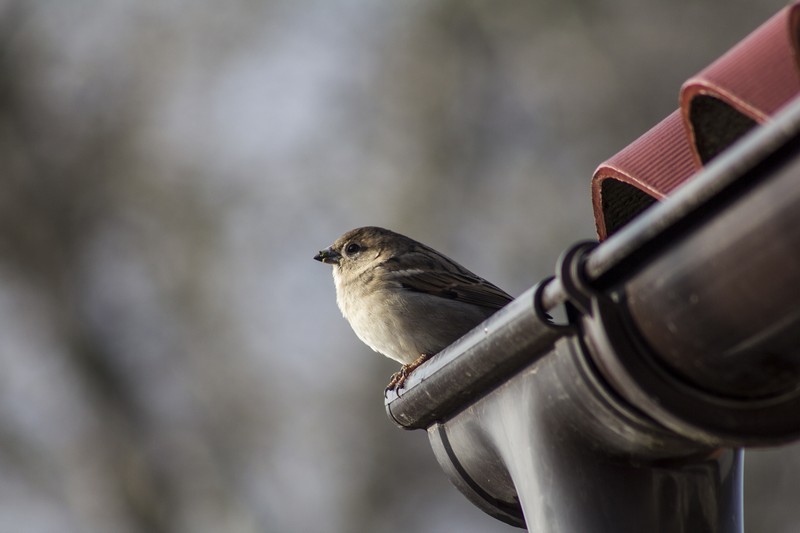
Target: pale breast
<point>402,324</point>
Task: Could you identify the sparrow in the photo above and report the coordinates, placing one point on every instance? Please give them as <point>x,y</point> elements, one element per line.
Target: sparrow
<point>404,299</point>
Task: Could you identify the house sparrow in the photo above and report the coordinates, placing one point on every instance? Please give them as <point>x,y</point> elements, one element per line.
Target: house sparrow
<point>403,299</point>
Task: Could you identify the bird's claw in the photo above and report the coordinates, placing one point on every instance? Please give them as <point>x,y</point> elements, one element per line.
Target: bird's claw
<point>399,378</point>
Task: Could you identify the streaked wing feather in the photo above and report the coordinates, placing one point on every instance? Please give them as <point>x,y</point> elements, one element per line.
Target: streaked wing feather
<point>453,285</point>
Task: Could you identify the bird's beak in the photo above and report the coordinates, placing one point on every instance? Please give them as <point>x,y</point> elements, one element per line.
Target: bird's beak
<point>328,255</point>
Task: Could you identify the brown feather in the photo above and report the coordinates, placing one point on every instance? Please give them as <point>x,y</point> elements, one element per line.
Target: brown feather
<point>469,289</point>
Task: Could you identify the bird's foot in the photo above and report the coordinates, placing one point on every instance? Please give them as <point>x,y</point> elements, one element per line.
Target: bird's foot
<point>399,378</point>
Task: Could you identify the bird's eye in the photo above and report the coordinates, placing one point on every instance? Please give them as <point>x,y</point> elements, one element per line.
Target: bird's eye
<point>352,248</point>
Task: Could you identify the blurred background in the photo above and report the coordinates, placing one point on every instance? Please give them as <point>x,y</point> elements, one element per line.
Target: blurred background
<point>171,358</point>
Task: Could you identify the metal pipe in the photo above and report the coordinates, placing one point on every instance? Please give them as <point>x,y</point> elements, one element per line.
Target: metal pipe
<point>554,450</point>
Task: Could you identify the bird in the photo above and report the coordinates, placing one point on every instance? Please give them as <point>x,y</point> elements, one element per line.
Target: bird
<point>404,299</point>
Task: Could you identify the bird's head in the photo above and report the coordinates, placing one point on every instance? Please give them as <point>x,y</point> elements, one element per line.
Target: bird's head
<point>362,248</point>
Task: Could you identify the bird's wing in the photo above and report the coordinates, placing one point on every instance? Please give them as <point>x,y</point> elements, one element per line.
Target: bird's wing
<point>462,287</point>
